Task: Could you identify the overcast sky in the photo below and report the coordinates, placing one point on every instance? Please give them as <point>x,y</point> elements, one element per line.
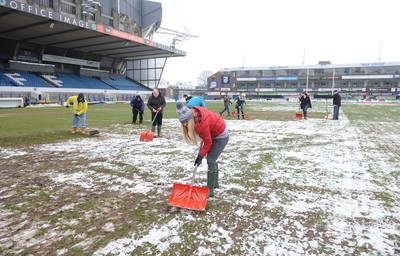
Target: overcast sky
<point>256,33</point>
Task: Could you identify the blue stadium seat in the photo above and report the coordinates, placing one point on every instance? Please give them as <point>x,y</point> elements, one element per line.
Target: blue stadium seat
<point>5,80</point>
<point>94,83</point>
<point>121,83</point>
<point>23,79</point>
<point>67,80</point>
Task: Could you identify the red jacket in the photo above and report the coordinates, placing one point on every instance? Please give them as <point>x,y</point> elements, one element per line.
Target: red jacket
<point>208,125</point>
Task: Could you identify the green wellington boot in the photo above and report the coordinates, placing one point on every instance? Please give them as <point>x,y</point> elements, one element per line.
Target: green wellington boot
<point>211,174</point>
<point>158,131</point>
<point>216,184</point>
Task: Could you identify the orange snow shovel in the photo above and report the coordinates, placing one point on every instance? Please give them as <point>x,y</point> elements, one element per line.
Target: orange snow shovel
<point>148,136</point>
<point>189,196</point>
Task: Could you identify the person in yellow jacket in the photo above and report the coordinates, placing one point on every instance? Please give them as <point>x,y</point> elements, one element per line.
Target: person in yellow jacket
<point>80,107</point>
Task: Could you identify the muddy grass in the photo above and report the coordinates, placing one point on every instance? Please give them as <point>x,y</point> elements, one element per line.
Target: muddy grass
<point>44,217</point>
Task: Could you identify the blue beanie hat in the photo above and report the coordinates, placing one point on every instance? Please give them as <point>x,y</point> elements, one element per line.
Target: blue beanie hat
<point>184,113</point>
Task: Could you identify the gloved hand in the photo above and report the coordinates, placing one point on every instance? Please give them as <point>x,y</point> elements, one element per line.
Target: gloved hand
<point>159,109</point>
<point>67,106</point>
<point>154,110</point>
<point>76,115</point>
<point>198,160</point>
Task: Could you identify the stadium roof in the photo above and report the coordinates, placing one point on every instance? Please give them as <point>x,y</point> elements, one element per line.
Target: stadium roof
<point>23,23</point>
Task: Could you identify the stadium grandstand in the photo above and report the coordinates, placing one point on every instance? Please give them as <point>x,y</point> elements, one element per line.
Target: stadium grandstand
<point>52,49</point>
<point>366,81</point>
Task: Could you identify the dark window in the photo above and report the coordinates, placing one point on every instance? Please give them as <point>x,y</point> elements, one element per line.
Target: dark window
<point>68,8</point>
<point>44,3</point>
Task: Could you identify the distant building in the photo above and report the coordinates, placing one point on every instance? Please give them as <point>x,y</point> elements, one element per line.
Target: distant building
<point>354,81</point>
<point>175,92</point>
<point>167,90</point>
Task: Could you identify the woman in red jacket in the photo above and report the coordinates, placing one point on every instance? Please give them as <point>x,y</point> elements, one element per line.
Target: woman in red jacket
<point>198,122</point>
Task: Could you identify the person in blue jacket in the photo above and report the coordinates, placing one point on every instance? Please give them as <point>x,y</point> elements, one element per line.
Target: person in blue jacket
<point>240,102</point>
<point>196,101</point>
<point>137,105</point>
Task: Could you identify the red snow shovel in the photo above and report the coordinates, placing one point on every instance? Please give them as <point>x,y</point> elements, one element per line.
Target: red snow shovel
<point>189,196</point>
<point>148,136</point>
<point>298,115</point>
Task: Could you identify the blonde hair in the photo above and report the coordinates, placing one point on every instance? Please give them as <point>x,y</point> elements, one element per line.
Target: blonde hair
<point>189,133</point>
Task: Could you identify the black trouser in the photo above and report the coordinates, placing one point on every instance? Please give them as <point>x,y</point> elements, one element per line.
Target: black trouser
<point>158,120</point>
<point>135,112</point>
<point>239,109</point>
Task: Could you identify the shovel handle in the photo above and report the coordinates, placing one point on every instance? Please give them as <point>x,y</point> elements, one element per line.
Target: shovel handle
<point>194,174</point>
<point>154,118</point>
<point>195,167</point>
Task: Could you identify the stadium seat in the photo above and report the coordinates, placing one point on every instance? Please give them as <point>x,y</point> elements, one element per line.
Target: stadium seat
<point>121,83</point>
<point>23,79</point>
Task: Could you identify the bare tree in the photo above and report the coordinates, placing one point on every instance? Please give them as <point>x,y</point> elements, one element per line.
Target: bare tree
<point>202,78</point>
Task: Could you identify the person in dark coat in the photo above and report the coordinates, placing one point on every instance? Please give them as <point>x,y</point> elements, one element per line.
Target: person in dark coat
<point>337,103</point>
<point>227,102</point>
<point>137,105</point>
<point>198,123</point>
<point>305,104</point>
<point>156,104</point>
<point>187,97</point>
